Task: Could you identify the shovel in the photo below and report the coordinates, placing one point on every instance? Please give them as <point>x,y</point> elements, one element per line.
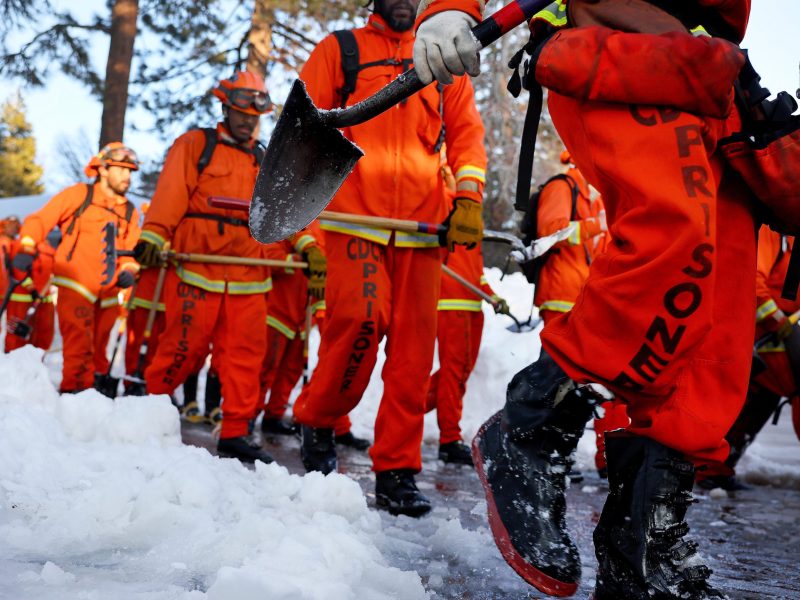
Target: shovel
<point>308,158</point>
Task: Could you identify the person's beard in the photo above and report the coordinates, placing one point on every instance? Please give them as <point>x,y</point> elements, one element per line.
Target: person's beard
<point>400,24</point>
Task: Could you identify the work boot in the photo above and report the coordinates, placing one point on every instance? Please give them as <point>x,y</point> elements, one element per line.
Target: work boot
<point>457,453</point>
<point>243,449</point>
<point>213,395</point>
<point>317,449</point>
<point>641,553</point>
<point>397,492</point>
<point>277,427</point>
<point>729,483</point>
<point>522,455</point>
<point>106,384</point>
<point>190,389</point>
<point>351,441</point>
<point>575,476</point>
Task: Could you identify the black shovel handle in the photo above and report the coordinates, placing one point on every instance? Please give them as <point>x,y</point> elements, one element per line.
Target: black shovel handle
<point>486,32</point>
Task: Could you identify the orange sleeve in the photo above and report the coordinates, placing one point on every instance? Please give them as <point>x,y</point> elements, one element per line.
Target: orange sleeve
<point>464,135</point>
<point>768,249</point>
<point>56,212</point>
<point>555,206</point>
<point>175,185</point>
<point>428,8</point>
<point>323,74</point>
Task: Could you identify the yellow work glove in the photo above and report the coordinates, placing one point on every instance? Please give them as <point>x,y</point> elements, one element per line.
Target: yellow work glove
<point>147,254</point>
<point>500,305</point>
<point>464,224</point>
<point>316,271</point>
<point>783,325</point>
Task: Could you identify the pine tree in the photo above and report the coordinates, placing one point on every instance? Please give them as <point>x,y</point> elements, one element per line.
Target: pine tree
<point>19,173</point>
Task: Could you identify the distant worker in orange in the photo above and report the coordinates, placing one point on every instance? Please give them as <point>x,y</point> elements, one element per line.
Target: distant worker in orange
<point>9,229</point>
<point>459,332</point>
<point>219,304</point>
<point>384,283</point>
<point>35,295</point>
<point>87,307</point>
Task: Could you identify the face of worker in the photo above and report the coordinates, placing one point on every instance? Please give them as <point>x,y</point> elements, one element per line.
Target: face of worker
<point>241,125</point>
<point>399,14</point>
<point>118,179</point>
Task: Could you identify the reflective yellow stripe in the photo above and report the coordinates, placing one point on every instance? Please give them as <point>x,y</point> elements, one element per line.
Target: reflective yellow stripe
<point>281,327</point>
<point>771,347</point>
<point>557,305</point>
<point>459,304</point>
<point>28,241</point>
<point>142,303</point>
<point>239,288</point>
<point>380,236</point>
<point>242,288</point>
<point>472,171</point>
<point>319,305</point>
<point>403,239</point>
<point>303,241</point>
<point>483,280</point>
<point>699,31</point>
<point>575,237</point>
<point>555,14</point>
<point>765,310</point>
<point>153,238</point>
<point>109,302</point>
<point>290,257</point>
<point>75,287</point>
<point>48,299</point>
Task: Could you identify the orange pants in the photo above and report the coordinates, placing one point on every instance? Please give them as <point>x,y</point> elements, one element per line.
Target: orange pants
<point>665,319</point>
<point>42,324</point>
<point>137,319</point>
<point>282,367</point>
<point>85,328</point>
<point>375,291</point>
<point>459,335</point>
<point>197,318</point>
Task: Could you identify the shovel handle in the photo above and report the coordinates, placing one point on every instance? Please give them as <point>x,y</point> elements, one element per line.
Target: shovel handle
<point>408,84</point>
<point>472,288</point>
<point>384,222</point>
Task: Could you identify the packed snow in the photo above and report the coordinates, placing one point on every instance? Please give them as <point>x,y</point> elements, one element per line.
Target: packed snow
<point>100,499</point>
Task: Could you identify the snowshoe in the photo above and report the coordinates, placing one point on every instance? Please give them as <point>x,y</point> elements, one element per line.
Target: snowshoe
<point>191,413</point>
<point>457,453</point>
<point>351,441</point>
<point>244,449</point>
<point>277,427</point>
<point>522,455</point>
<point>639,543</point>
<point>317,449</point>
<point>397,492</point>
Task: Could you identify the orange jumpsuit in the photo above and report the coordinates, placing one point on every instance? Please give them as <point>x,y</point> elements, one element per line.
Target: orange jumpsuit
<point>209,303</point>
<point>459,332</point>
<point>379,282</point>
<point>86,309</point>
<point>137,320</point>
<point>43,320</point>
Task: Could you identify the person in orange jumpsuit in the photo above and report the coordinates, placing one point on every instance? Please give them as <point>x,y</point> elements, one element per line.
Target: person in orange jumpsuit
<point>9,229</point>
<point>87,307</point>
<point>217,304</point>
<point>459,331</point>
<point>664,319</point>
<point>385,283</point>
<point>775,374</point>
<point>40,290</point>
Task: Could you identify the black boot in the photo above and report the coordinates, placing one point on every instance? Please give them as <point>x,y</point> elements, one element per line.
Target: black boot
<point>759,406</point>
<point>317,449</point>
<point>641,553</point>
<point>457,453</point>
<point>243,449</point>
<point>277,427</point>
<point>106,384</point>
<point>213,395</point>
<point>396,491</point>
<point>351,441</point>
<point>522,455</point>
<point>190,389</point>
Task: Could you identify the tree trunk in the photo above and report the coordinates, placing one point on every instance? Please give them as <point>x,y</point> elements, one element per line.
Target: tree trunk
<point>124,15</point>
<point>260,38</point>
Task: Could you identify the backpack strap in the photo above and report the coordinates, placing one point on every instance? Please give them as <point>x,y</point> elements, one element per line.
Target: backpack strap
<point>348,48</point>
<point>208,149</point>
<point>82,208</point>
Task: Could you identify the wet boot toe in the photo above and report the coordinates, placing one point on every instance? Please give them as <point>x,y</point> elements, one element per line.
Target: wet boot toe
<point>397,492</point>
<point>243,449</point>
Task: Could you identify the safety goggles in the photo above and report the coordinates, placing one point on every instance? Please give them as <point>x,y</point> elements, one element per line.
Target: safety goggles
<point>244,99</point>
<point>121,157</point>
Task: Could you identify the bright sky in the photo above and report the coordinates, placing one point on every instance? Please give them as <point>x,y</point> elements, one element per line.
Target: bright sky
<point>65,108</point>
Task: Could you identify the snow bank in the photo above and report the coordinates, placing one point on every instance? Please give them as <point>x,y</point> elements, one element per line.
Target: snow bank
<point>101,495</point>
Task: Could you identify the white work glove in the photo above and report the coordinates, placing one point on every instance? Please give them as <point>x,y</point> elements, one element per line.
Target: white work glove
<point>445,46</point>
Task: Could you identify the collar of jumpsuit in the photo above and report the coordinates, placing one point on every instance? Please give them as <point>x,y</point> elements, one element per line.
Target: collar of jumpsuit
<point>379,23</point>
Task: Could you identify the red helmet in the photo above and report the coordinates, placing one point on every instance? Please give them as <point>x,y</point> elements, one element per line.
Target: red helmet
<point>245,92</point>
<point>115,154</point>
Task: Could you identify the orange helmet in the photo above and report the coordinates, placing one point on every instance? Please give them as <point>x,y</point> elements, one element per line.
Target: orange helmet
<point>566,157</point>
<point>115,154</point>
<point>245,92</point>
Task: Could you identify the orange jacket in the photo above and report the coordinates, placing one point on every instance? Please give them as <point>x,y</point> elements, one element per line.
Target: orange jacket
<point>567,266</point>
<point>79,259</point>
<point>399,175</point>
<point>774,251</point>
<point>468,264</point>
<point>5,254</point>
<point>181,193</point>
<point>41,272</point>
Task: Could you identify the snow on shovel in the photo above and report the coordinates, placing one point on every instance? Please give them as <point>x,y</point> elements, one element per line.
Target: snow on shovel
<point>308,158</point>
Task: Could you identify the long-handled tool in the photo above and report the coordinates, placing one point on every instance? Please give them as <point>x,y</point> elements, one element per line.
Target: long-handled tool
<point>308,158</point>
<point>307,340</point>
<point>22,328</point>
<point>483,295</point>
<point>217,259</point>
<point>104,382</point>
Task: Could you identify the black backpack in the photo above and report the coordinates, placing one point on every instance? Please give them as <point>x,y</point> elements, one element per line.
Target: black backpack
<point>528,226</point>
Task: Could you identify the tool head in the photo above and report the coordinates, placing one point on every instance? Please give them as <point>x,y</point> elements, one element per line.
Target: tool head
<point>109,252</point>
<point>307,160</point>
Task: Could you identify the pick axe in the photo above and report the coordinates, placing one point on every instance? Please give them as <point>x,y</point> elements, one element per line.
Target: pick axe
<point>308,158</point>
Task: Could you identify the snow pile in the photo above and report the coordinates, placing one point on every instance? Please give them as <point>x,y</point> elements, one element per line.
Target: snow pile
<point>101,495</point>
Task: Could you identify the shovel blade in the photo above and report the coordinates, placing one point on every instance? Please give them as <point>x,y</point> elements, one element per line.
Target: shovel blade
<point>307,160</point>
